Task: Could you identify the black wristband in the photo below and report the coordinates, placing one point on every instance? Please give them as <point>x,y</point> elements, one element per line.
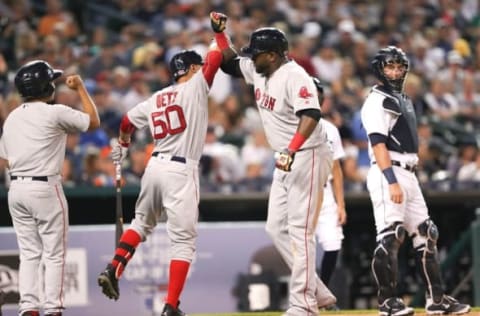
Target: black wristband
<point>389,175</point>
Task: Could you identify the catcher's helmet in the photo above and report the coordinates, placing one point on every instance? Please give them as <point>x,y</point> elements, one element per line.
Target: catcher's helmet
<point>34,79</point>
<point>266,39</point>
<point>390,55</point>
<point>181,61</point>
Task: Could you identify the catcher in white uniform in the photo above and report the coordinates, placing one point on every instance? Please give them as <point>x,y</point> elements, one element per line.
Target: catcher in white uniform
<point>33,143</point>
<point>288,105</point>
<point>177,117</point>
<point>332,213</point>
<point>399,207</point>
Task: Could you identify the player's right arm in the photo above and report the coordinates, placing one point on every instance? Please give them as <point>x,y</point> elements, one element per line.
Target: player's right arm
<point>231,61</point>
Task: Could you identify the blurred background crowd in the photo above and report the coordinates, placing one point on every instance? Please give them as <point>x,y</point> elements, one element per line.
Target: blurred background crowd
<point>121,48</point>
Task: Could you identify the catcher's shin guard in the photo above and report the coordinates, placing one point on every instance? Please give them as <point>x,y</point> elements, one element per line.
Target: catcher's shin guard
<point>426,258</point>
<point>385,263</point>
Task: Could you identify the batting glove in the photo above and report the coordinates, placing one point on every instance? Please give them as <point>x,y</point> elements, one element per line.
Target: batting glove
<point>284,160</point>
<point>218,21</point>
<point>119,152</point>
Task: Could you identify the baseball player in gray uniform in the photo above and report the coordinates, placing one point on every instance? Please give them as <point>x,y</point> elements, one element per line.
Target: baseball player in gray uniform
<point>332,216</point>
<point>33,143</point>
<point>398,203</point>
<point>177,117</point>
<point>287,101</point>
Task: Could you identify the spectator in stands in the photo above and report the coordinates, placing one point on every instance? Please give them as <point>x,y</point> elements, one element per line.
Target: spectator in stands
<point>470,172</point>
<point>327,63</point>
<point>441,103</point>
<point>257,157</point>
<point>57,19</point>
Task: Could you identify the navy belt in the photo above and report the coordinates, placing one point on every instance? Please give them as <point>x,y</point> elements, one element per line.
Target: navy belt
<point>172,158</point>
<point>39,178</point>
<point>411,168</point>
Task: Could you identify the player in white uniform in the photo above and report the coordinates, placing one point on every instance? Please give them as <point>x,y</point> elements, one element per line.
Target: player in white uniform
<point>33,143</point>
<point>177,117</point>
<point>332,213</point>
<point>399,207</point>
<point>288,105</point>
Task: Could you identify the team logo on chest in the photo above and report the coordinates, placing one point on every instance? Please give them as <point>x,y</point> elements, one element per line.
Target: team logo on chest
<point>264,100</point>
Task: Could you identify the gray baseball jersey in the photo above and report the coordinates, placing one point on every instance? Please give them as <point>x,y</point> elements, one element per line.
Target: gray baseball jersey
<point>329,232</point>
<point>33,142</point>
<point>177,117</point>
<point>292,208</point>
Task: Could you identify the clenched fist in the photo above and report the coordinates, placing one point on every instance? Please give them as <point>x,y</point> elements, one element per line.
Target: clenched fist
<point>218,21</point>
<point>284,160</point>
<point>74,82</point>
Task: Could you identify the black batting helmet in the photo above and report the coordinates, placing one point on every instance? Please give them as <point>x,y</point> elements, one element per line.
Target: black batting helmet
<point>266,39</point>
<point>181,61</point>
<point>390,55</point>
<point>35,79</point>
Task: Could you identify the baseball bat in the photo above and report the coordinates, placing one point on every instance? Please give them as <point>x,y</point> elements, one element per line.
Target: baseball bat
<point>119,208</point>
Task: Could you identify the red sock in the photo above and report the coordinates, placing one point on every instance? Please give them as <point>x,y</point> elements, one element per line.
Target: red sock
<point>124,252</point>
<point>178,275</point>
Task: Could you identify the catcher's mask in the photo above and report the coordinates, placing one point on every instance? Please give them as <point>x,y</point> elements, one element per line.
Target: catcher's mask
<point>390,55</point>
<point>266,39</point>
<point>181,62</point>
<point>34,80</point>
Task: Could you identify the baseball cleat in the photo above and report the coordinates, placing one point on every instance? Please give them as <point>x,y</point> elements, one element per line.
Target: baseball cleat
<point>109,283</point>
<point>394,306</point>
<point>448,305</point>
<point>169,310</point>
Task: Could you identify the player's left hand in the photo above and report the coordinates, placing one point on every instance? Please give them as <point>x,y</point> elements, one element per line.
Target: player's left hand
<point>74,82</point>
<point>284,160</point>
<point>218,21</point>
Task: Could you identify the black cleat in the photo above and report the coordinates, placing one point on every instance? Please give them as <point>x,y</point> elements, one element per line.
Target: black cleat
<point>169,310</point>
<point>448,305</point>
<point>394,306</point>
<point>109,283</point>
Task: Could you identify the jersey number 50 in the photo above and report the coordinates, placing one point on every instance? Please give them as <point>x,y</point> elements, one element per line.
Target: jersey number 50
<point>168,122</point>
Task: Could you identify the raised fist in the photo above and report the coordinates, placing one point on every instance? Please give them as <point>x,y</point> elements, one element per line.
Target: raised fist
<point>74,82</point>
<point>284,160</point>
<point>218,21</point>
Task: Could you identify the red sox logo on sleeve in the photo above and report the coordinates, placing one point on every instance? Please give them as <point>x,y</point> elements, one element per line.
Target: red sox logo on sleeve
<point>303,93</point>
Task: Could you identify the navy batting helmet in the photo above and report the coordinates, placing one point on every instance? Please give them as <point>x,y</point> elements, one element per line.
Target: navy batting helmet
<point>390,55</point>
<point>35,79</point>
<point>266,39</point>
<point>181,62</point>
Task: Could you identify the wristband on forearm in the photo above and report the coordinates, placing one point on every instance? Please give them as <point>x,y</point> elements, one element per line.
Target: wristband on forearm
<point>389,175</point>
<point>296,142</point>
<point>222,40</point>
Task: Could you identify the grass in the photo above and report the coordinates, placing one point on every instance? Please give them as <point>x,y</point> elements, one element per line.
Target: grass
<point>418,311</point>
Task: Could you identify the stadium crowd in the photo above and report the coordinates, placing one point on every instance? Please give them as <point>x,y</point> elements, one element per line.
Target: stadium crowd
<point>121,48</point>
